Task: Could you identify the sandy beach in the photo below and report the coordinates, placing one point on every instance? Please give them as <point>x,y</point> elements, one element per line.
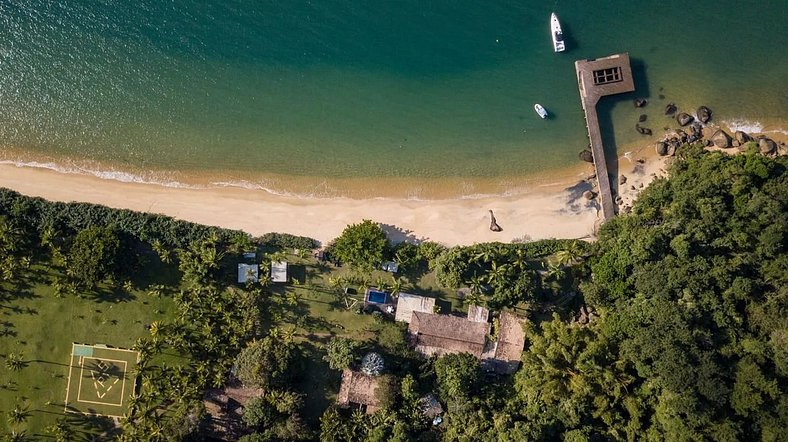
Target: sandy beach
<point>555,211</point>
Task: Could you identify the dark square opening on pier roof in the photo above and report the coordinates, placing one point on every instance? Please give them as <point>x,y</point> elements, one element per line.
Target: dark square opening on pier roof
<point>608,75</point>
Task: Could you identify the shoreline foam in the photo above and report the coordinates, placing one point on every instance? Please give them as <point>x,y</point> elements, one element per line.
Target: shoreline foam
<point>532,208</point>
<point>455,221</point>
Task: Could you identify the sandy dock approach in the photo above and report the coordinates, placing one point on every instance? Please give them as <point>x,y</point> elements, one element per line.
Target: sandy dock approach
<point>555,211</point>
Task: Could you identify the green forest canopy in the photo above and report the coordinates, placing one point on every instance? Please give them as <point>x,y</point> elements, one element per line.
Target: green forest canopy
<point>689,340</point>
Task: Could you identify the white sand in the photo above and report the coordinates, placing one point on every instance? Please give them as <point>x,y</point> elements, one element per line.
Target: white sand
<point>551,212</point>
<point>548,211</point>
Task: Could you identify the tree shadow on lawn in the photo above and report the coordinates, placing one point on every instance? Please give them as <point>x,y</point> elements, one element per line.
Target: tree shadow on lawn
<point>115,294</point>
<point>317,381</point>
<point>92,427</point>
<point>19,289</point>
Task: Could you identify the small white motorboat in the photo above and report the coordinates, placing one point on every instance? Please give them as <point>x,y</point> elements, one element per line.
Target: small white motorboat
<point>555,31</point>
<point>540,110</point>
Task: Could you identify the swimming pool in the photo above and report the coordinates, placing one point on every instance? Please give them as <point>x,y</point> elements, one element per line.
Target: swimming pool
<point>376,297</point>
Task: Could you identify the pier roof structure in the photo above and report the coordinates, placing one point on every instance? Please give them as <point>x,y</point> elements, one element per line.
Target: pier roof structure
<point>598,78</point>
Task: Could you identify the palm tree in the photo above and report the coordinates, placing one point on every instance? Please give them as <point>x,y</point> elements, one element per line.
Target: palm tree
<point>17,436</point>
<point>164,254</point>
<point>18,415</point>
<point>570,255</point>
<point>156,329</point>
<point>277,256</point>
<point>519,260</point>
<point>60,431</point>
<point>497,273</point>
<point>265,277</point>
<point>47,236</point>
<point>14,361</point>
<point>484,256</point>
<point>555,271</point>
<point>381,284</point>
<point>395,286</point>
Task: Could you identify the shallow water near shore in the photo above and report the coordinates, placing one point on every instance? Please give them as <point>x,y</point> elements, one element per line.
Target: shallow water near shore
<point>285,96</point>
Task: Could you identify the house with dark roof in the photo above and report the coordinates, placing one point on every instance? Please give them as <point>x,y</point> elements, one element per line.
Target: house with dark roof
<point>435,335</point>
<point>359,390</point>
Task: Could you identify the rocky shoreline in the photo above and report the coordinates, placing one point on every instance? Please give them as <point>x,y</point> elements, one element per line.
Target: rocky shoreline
<point>694,127</point>
<point>711,136</point>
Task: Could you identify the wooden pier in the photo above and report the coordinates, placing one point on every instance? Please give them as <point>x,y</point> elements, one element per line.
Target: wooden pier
<point>596,79</point>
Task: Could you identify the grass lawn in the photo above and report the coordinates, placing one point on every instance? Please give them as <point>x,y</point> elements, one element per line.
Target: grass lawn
<point>42,328</point>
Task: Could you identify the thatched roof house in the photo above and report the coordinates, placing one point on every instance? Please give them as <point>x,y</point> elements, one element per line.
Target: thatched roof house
<point>407,304</point>
<point>358,389</point>
<point>433,334</point>
<point>511,340</point>
<point>224,407</point>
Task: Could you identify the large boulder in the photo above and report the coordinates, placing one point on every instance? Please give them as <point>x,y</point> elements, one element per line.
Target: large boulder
<point>586,156</point>
<point>721,139</point>
<point>670,109</point>
<point>642,130</point>
<point>742,137</point>
<point>640,102</point>
<point>704,114</point>
<point>642,118</point>
<point>684,118</point>
<point>589,195</point>
<point>766,146</point>
<point>662,148</point>
<point>682,136</point>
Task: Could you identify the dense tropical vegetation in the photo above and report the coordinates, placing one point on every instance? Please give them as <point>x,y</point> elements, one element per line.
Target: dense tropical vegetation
<point>672,326</point>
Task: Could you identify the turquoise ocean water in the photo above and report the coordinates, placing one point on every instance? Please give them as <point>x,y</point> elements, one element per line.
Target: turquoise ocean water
<point>241,90</point>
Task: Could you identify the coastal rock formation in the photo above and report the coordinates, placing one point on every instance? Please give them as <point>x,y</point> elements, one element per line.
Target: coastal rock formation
<point>586,156</point>
<point>670,109</point>
<point>589,195</point>
<point>662,148</point>
<point>721,139</point>
<point>642,118</point>
<point>682,136</point>
<point>696,130</point>
<point>494,224</point>
<point>742,137</point>
<point>704,114</point>
<point>642,130</point>
<point>684,118</point>
<point>766,146</point>
<point>640,102</point>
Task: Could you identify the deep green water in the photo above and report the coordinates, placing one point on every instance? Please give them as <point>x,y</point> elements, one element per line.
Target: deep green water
<point>334,88</point>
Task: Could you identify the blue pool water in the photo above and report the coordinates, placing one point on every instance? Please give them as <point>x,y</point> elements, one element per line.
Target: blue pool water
<point>376,297</point>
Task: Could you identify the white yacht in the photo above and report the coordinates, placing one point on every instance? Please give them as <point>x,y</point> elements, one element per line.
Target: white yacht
<point>555,31</point>
<point>540,110</point>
